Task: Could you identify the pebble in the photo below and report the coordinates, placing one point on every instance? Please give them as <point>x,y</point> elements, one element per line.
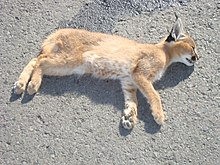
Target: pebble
<point>218,5</point>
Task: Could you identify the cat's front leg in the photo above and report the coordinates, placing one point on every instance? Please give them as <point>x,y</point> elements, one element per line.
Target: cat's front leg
<point>146,87</point>
<point>129,115</point>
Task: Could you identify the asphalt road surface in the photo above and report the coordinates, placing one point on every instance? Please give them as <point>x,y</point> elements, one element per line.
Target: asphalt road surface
<point>76,120</point>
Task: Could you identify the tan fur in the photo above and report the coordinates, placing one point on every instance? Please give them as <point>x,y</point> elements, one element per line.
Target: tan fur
<point>136,65</point>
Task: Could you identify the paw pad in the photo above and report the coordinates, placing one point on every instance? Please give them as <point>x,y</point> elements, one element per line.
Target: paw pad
<point>128,121</point>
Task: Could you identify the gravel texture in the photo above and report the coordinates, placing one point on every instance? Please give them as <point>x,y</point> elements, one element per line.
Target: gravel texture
<point>76,120</point>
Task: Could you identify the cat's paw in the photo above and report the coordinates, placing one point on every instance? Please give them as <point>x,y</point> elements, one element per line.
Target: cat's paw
<point>19,87</point>
<point>159,117</point>
<point>32,88</point>
<point>129,120</point>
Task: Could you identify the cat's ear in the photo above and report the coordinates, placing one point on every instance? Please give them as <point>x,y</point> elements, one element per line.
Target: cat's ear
<point>176,31</point>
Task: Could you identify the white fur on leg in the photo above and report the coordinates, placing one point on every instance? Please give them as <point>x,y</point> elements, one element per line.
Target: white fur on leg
<point>129,115</point>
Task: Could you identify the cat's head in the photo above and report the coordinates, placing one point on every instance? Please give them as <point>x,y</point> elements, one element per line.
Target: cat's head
<point>180,46</point>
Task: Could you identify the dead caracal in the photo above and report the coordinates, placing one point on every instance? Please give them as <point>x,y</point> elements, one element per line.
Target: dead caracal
<point>136,65</point>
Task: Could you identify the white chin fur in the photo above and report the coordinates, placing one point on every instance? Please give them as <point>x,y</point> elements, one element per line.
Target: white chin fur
<point>187,63</point>
<point>183,59</point>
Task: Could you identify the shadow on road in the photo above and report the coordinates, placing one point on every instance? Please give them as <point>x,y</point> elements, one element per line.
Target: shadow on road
<point>99,16</point>
<point>25,97</point>
<point>109,92</point>
<point>174,74</point>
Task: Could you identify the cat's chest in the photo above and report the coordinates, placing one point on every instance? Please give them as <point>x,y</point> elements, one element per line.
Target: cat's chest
<point>103,67</point>
<point>159,74</point>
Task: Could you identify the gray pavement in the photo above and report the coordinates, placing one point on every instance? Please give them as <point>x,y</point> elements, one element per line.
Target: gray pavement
<point>76,120</point>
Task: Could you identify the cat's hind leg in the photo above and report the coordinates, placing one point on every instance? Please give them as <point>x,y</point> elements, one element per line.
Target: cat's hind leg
<point>35,80</point>
<point>54,60</point>
<point>20,85</point>
<point>52,65</point>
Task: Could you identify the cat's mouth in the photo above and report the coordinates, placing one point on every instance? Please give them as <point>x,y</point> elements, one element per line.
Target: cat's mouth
<point>190,61</point>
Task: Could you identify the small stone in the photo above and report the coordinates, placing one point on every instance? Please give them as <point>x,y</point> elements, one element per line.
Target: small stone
<point>8,143</point>
<point>5,82</point>
<point>24,162</point>
<point>31,129</point>
<point>218,5</point>
<point>155,154</point>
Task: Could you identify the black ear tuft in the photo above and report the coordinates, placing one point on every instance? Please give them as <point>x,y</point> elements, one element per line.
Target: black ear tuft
<point>176,16</point>
<point>170,38</point>
<point>176,31</point>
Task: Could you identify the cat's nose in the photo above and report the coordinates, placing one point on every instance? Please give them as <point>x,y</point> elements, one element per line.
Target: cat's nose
<point>193,58</point>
